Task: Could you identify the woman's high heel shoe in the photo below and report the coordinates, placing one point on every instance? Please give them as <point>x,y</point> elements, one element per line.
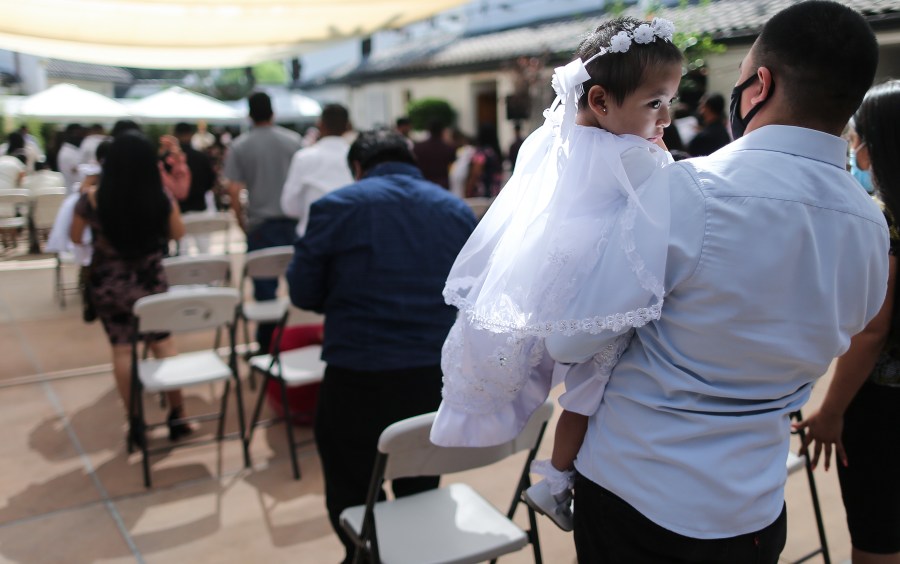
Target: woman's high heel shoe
<point>177,430</point>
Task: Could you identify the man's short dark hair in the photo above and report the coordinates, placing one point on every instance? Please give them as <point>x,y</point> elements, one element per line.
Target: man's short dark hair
<point>378,146</point>
<point>823,55</point>
<point>260,107</point>
<point>716,104</point>
<point>335,118</point>
<point>184,128</point>
<point>403,121</point>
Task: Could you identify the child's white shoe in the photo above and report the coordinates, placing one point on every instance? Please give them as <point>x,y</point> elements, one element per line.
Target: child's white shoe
<point>557,507</point>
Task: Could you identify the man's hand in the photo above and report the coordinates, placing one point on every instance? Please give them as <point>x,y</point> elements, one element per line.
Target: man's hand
<point>824,430</point>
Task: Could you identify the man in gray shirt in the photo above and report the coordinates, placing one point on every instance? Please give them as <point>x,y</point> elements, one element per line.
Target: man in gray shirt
<point>259,161</point>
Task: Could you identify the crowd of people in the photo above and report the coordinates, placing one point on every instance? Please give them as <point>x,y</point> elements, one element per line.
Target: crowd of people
<point>688,307</point>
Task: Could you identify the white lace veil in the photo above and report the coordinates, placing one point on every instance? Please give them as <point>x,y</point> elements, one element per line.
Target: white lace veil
<point>569,244</point>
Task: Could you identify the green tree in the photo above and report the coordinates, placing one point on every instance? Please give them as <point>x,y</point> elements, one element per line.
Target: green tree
<point>424,111</point>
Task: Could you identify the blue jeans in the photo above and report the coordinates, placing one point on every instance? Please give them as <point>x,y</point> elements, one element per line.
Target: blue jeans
<point>270,233</point>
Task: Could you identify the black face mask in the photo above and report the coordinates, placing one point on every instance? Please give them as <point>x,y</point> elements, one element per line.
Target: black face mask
<point>738,123</point>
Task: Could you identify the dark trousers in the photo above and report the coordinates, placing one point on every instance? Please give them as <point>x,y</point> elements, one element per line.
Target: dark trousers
<point>609,530</point>
<point>270,233</point>
<point>353,409</point>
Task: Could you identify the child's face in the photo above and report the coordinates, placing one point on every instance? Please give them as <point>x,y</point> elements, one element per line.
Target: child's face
<point>644,112</point>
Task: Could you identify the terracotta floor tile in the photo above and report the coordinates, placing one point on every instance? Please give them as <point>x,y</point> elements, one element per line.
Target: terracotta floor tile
<point>42,471</point>
<point>238,519</point>
<point>81,536</point>
<point>15,351</point>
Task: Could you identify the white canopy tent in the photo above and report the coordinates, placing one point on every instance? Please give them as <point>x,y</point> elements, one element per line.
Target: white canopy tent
<point>195,34</point>
<point>177,104</point>
<point>66,102</point>
<point>289,106</point>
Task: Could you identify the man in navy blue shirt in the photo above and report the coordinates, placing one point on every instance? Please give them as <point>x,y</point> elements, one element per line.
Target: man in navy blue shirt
<point>374,259</point>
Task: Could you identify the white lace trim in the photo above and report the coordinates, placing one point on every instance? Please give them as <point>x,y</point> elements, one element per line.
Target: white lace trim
<point>616,322</point>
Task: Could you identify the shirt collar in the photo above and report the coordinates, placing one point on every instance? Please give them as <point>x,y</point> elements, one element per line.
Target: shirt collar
<point>800,141</point>
<point>385,169</point>
<point>332,140</point>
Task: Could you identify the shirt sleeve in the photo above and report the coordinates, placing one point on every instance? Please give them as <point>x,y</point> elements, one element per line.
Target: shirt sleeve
<point>232,169</point>
<point>314,253</point>
<point>291,200</point>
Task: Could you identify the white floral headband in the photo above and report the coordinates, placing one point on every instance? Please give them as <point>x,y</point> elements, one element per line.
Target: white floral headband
<point>571,78</point>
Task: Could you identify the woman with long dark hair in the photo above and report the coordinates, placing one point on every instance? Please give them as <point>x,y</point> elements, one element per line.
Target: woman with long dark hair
<point>132,218</point>
<point>860,415</point>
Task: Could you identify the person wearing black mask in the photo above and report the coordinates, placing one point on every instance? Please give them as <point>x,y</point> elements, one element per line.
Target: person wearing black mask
<point>775,260</point>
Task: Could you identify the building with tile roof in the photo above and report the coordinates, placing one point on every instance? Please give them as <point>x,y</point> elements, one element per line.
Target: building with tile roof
<point>476,72</point>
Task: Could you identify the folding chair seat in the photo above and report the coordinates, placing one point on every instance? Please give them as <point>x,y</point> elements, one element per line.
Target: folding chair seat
<point>449,524</point>
<point>479,205</point>
<point>186,310</point>
<point>263,264</point>
<point>796,462</point>
<point>289,369</point>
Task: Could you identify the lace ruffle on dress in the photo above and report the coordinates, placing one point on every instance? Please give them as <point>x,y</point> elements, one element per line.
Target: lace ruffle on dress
<point>570,224</point>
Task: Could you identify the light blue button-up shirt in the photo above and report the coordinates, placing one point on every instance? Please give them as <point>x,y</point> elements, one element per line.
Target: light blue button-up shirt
<point>775,259</point>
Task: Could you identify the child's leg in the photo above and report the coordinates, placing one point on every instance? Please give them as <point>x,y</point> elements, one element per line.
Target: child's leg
<point>570,431</point>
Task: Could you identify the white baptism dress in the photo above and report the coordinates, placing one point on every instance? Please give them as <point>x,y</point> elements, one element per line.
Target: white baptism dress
<point>570,226</point>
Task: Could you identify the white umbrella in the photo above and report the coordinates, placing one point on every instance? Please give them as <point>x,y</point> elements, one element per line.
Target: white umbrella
<point>185,34</point>
<point>177,104</point>
<point>67,102</point>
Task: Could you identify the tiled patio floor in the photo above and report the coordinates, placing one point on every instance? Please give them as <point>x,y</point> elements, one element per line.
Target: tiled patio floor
<point>70,493</point>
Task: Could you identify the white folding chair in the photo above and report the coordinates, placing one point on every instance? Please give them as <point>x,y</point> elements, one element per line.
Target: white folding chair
<point>290,369</point>
<point>187,310</point>
<point>12,215</point>
<point>450,524</point>
<point>43,179</point>
<point>796,462</point>
<point>262,264</point>
<point>204,224</point>
<point>45,205</point>
<point>198,270</point>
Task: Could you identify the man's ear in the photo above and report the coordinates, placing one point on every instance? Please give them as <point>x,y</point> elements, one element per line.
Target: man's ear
<point>357,170</point>
<point>763,87</point>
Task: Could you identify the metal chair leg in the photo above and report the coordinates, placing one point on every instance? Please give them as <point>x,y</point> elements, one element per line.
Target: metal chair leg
<point>289,425</point>
<point>223,408</point>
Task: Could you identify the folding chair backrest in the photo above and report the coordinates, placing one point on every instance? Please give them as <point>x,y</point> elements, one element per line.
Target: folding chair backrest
<point>268,263</point>
<point>47,202</point>
<point>411,453</point>
<point>185,310</point>
<point>207,270</point>
<point>198,223</point>
<point>44,179</point>
<point>9,199</point>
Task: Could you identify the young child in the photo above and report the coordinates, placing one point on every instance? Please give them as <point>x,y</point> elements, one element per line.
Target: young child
<point>569,224</point>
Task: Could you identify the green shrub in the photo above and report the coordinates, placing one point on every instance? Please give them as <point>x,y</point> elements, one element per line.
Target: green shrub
<point>424,111</point>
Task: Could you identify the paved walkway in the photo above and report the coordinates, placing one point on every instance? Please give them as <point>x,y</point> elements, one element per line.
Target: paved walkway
<point>70,493</point>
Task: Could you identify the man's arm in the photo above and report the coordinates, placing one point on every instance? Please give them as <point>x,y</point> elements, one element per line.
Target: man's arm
<point>234,195</point>
<point>307,275</point>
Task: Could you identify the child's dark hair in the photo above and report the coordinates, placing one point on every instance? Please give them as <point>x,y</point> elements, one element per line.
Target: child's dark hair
<point>622,73</point>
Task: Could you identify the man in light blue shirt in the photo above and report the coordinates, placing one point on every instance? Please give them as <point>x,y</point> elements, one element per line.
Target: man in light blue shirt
<point>775,260</point>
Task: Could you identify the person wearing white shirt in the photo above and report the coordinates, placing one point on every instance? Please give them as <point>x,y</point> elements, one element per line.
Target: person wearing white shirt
<point>69,156</point>
<point>775,260</point>
<point>320,168</point>
<point>89,145</point>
